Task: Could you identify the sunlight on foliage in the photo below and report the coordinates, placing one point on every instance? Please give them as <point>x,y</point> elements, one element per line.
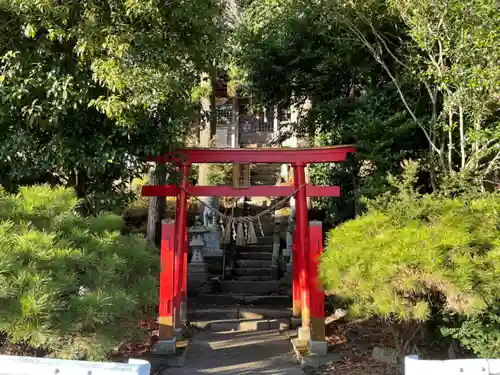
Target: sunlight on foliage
<point>411,254</point>
<point>72,286</point>
<point>91,88</point>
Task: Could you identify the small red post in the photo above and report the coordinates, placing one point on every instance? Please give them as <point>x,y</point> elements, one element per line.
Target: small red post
<point>177,264</point>
<point>295,276</point>
<point>302,234</point>
<point>183,310</point>
<point>167,275</point>
<point>181,244</point>
<point>317,292</point>
<point>178,270</point>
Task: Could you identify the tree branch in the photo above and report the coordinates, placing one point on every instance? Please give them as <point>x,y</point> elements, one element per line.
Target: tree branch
<point>462,135</point>
<point>378,58</point>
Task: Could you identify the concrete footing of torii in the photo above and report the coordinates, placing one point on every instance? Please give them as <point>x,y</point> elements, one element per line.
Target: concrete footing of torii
<point>308,297</point>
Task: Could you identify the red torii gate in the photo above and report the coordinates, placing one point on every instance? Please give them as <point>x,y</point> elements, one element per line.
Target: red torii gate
<point>173,278</point>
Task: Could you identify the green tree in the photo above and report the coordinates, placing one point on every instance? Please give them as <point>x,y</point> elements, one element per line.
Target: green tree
<point>431,65</point>
<point>289,52</point>
<point>89,88</point>
<point>456,47</point>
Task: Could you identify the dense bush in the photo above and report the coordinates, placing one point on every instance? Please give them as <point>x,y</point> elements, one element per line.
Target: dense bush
<point>478,333</point>
<point>73,286</point>
<point>415,257</point>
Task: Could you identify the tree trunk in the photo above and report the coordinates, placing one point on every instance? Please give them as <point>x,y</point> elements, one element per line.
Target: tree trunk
<point>477,128</point>
<point>156,209</point>
<point>80,183</point>
<point>203,169</point>
<point>450,141</point>
<point>405,337</point>
<point>356,187</point>
<point>462,136</point>
<point>207,133</point>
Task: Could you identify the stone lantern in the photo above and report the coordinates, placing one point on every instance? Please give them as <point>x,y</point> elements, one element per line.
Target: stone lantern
<point>197,269</point>
<point>286,282</point>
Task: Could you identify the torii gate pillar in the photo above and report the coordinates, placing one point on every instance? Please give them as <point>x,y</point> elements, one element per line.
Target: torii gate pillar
<point>308,241</point>
<point>302,238</point>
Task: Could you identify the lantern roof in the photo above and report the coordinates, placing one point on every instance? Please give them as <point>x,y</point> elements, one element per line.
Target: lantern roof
<point>198,227</point>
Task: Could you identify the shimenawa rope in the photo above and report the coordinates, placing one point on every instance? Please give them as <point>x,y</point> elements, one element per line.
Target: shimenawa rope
<point>237,225</point>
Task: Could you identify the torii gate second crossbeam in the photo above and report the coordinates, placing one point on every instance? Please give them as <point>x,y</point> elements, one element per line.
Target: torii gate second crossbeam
<point>173,285</point>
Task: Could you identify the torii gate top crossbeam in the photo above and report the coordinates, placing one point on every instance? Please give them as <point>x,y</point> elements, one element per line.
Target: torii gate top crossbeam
<point>258,155</point>
<point>175,290</point>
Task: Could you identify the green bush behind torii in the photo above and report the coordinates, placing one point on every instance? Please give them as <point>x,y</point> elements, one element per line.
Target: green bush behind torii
<point>71,286</point>
<point>413,258</point>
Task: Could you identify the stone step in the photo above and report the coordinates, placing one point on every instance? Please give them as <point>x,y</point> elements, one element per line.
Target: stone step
<point>265,180</point>
<point>268,230</point>
<point>243,299</point>
<point>254,278</point>
<point>209,313</point>
<point>252,263</point>
<point>265,173</point>
<point>239,272</point>
<point>257,248</point>
<point>244,325</point>
<point>261,313</point>
<point>256,256</point>
<point>249,287</point>
<point>252,325</point>
<point>267,240</point>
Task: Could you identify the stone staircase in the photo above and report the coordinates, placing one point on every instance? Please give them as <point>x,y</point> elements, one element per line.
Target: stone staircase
<point>252,272</point>
<point>265,174</point>
<point>253,269</point>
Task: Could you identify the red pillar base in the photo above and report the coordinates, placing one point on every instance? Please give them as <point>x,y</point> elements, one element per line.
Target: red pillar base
<point>166,305</point>
<point>181,248</point>
<point>295,278</point>
<point>302,243</point>
<point>317,343</point>
<point>183,311</point>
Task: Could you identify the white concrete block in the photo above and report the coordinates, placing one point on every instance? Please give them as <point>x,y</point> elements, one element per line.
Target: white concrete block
<point>414,366</point>
<point>304,334</point>
<point>14,365</point>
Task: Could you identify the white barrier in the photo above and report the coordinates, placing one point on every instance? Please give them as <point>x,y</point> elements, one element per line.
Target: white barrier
<point>12,365</point>
<point>414,366</point>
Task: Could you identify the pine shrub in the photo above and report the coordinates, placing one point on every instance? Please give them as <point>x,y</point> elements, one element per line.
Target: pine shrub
<point>411,258</point>
<point>76,287</point>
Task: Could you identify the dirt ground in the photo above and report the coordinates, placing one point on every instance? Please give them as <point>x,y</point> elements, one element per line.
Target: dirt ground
<point>354,341</point>
<point>366,366</point>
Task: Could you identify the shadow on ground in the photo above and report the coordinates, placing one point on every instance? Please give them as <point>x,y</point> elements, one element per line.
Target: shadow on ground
<point>239,353</point>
